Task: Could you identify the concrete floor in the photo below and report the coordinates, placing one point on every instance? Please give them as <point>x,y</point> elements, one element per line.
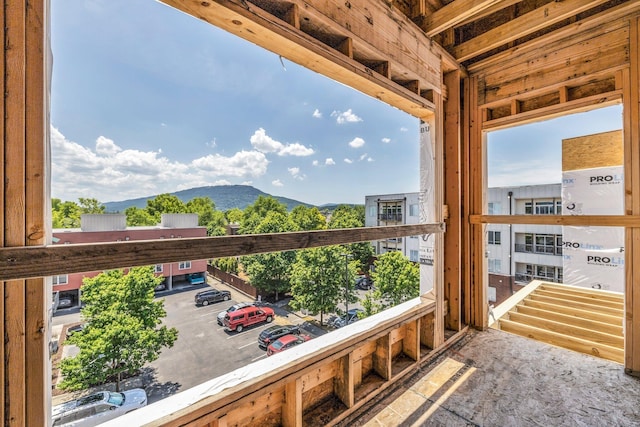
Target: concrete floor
<point>494,378</point>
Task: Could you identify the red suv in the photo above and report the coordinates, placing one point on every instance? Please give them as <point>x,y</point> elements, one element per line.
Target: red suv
<point>240,319</point>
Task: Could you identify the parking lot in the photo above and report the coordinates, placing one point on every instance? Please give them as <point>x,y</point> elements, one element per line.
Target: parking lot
<point>203,350</point>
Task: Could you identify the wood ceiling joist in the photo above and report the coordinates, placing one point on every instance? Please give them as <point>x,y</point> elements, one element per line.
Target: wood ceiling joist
<point>585,314</point>
<point>456,13</point>
<point>564,340</point>
<point>570,319</point>
<point>619,305</point>
<point>576,304</point>
<point>584,292</point>
<point>522,26</point>
<point>568,329</point>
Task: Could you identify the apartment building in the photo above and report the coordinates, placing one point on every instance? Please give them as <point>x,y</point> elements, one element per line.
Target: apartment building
<point>519,253</point>
<point>96,228</point>
<point>394,209</point>
<point>516,254</point>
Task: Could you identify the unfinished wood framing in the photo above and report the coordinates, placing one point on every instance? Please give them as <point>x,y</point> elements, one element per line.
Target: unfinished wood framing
<point>488,65</point>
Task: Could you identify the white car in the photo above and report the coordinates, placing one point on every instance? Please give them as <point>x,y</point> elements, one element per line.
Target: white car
<point>98,408</point>
<point>231,309</point>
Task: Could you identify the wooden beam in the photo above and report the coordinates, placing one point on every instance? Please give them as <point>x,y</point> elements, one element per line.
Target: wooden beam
<point>584,220</point>
<point>566,329</point>
<point>62,259</point>
<point>265,30</point>
<point>577,304</point>
<point>631,117</point>
<point>453,199</point>
<point>292,407</point>
<point>595,24</point>
<point>344,385</point>
<point>594,294</point>
<point>455,13</point>
<point>14,97</point>
<point>570,320</point>
<point>521,26</point>
<point>573,297</point>
<point>382,358</point>
<point>564,341</point>
<point>572,311</point>
<point>411,342</point>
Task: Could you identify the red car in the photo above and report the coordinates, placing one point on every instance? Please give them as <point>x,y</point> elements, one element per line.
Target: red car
<point>285,342</point>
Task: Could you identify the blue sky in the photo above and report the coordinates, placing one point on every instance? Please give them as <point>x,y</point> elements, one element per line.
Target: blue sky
<point>147,100</point>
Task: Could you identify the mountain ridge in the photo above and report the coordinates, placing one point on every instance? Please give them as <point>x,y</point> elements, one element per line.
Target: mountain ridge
<point>225,197</point>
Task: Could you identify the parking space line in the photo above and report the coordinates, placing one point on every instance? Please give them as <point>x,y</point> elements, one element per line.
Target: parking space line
<point>246,345</point>
<point>259,357</point>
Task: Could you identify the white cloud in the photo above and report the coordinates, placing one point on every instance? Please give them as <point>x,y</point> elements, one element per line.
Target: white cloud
<point>386,140</point>
<point>295,172</point>
<point>317,114</point>
<point>265,144</point>
<point>247,182</point>
<point>329,161</point>
<point>357,142</point>
<point>315,163</point>
<point>212,143</point>
<point>277,183</point>
<point>404,129</point>
<point>118,174</point>
<point>345,117</point>
<point>364,156</point>
<point>369,159</point>
<point>349,161</point>
<point>106,147</point>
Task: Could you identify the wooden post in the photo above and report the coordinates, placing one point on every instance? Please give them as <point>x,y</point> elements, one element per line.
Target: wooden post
<point>453,201</point>
<point>292,407</point>
<point>477,180</point>
<point>344,381</point>
<point>631,117</point>
<point>24,208</point>
<point>382,358</point>
<point>411,341</point>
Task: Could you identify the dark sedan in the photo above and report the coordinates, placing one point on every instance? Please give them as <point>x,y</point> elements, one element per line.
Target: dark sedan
<point>212,295</point>
<point>274,332</point>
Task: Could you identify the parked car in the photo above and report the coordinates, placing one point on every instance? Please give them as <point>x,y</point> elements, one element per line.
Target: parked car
<point>231,309</point>
<point>212,295</point>
<point>197,279</point>
<point>240,319</point>
<point>161,286</point>
<point>346,319</point>
<point>272,333</point>
<point>98,408</point>
<point>75,328</point>
<point>65,303</point>
<point>286,342</point>
<point>364,283</point>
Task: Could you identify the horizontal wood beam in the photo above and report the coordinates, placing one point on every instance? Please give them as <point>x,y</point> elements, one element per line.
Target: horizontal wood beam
<point>455,13</point>
<point>571,311</point>
<point>567,319</point>
<point>574,220</point>
<point>564,341</point>
<point>264,29</point>
<point>40,261</point>
<point>521,26</point>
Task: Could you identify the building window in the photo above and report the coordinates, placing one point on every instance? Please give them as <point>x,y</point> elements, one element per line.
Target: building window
<point>494,237</point>
<point>545,208</point>
<point>558,207</point>
<point>528,208</point>
<point>413,210</point>
<point>61,279</point>
<point>184,265</point>
<point>495,265</point>
<point>495,208</point>
<point>413,255</point>
<point>545,243</point>
<point>372,211</point>
<point>157,268</point>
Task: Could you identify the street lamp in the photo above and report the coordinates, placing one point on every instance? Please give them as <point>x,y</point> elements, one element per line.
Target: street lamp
<point>346,287</point>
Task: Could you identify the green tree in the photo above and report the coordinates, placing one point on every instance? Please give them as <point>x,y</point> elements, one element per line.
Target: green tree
<point>234,216</point>
<point>270,272</point>
<point>65,214</point>
<point>208,216</point>
<point>304,218</point>
<point>137,217</point>
<point>397,279</point>
<point>254,214</point>
<point>352,217</point>
<point>123,328</point>
<point>320,280</point>
<point>91,206</point>
<point>165,203</point>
